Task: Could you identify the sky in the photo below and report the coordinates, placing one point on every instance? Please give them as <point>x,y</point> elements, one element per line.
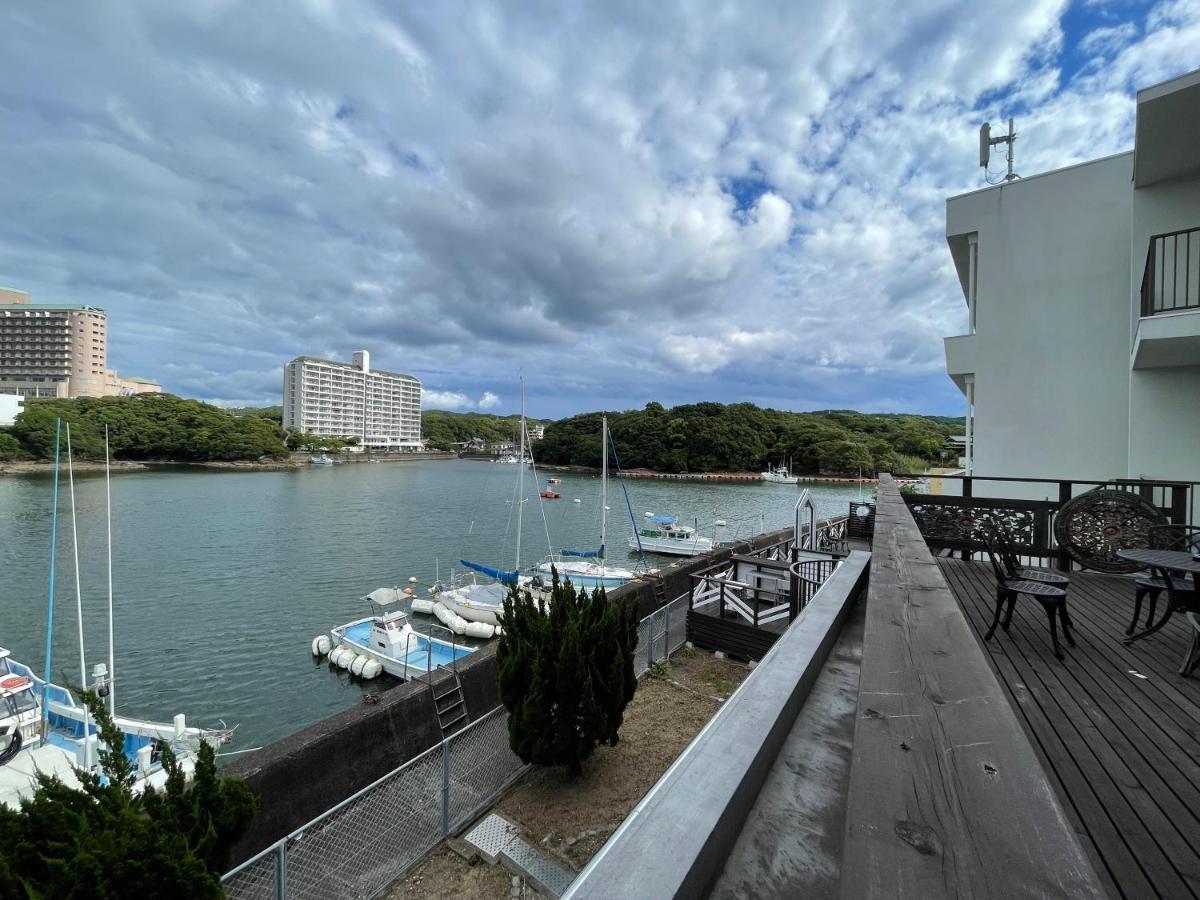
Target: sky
<point>619,201</point>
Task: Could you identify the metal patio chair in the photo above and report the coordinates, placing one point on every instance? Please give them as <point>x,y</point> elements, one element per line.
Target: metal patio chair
<point>1185,538</point>
<point>1053,599</point>
<point>1015,569</point>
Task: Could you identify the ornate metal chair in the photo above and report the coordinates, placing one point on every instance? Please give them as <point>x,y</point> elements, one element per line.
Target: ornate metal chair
<point>1013,566</point>
<point>1052,597</point>
<point>1164,537</point>
<point>1093,527</point>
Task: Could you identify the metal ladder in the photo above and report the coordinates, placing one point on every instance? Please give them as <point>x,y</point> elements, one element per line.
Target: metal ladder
<point>448,701</point>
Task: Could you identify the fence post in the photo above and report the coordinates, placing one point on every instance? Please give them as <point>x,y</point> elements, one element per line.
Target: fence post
<point>722,599</point>
<point>667,632</point>
<point>281,891</point>
<point>445,788</point>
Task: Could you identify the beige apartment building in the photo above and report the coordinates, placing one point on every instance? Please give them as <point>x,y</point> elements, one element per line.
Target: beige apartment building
<point>58,350</point>
<point>335,399</point>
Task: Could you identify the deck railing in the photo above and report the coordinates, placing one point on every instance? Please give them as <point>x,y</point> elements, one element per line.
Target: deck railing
<point>1171,281</point>
<point>960,522</point>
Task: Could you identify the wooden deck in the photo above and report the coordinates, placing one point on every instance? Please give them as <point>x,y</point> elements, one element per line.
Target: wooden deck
<point>1117,727</point>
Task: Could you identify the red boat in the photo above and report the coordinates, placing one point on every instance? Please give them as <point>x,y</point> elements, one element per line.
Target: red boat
<point>549,493</point>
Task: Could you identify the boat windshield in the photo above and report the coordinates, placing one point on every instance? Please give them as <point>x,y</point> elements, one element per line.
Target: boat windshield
<point>17,703</point>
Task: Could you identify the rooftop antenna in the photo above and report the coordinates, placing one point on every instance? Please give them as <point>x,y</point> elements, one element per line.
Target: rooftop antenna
<point>987,142</point>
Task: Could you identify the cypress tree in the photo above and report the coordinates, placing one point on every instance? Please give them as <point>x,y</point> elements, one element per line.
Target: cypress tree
<point>565,672</point>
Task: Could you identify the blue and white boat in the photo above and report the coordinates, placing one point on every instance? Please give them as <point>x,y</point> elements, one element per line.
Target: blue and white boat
<point>388,640</point>
<point>42,730</point>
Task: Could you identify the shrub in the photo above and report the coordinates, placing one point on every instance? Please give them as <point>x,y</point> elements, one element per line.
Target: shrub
<point>566,673</point>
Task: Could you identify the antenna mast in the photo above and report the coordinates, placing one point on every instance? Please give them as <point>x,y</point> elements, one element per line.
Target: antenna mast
<point>987,142</point>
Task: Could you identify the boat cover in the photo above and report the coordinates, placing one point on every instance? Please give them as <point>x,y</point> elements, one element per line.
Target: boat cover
<point>384,596</point>
<point>664,520</point>
<point>504,576</point>
<point>586,554</point>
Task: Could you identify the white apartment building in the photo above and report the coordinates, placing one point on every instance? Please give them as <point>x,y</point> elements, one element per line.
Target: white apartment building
<point>335,399</point>
<point>1082,285</point>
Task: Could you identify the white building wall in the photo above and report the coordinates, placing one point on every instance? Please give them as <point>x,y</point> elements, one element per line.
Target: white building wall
<point>1051,370</point>
<point>334,399</point>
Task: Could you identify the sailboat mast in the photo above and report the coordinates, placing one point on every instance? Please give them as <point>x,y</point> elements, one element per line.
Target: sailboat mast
<point>521,476</point>
<point>87,761</point>
<point>50,589</point>
<point>603,485</point>
<point>112,667</point>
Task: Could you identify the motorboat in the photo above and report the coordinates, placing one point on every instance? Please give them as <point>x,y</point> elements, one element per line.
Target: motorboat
<point>43,730</point>
<point>386,641</point>
<point>780,474</point>
<point>664,534</point>
<point>321,460</point>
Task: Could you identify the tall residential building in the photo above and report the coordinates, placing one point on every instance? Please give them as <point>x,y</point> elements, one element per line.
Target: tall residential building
<point>57,350</point>
<point>1082,353</point>
<point>334,399</point>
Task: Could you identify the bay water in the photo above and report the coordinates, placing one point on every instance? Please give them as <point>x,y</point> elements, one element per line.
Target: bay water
<point>221,579</point>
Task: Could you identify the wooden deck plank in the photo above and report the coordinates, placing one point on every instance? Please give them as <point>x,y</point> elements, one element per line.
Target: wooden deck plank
<point>1123,749</point>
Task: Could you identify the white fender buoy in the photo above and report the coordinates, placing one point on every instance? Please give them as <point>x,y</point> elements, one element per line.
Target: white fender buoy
<point>458,625</point>
<point>421,605</point>
<point>480,630</point>
<point>334,654</point>
<point>320,645</point>
<point>345,658</point>
<point>371,669</point>
<point>357,664</point>
<point>577,500</point>
<point>498,631</point>
<point>443,615</point>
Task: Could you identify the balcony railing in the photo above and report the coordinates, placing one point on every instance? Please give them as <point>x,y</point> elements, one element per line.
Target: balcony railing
<point>1171,282</point>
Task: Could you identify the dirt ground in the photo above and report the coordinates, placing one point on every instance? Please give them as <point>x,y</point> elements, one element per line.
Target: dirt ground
<point>445,875</point>
<point>571,819</point>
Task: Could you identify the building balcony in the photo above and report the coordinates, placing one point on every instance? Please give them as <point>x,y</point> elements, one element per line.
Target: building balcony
<point>960,359</point>
<point>1168,331</point>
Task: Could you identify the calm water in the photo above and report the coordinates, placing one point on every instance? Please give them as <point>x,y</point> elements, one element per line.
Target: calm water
<point>222,579</point>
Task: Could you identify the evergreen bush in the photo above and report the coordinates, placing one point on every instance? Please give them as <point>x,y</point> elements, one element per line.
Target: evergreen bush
<point>566,672</point>
<point>103,841</point>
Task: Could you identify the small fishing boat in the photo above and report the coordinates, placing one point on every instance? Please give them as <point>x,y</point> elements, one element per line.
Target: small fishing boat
<point>386,641</point>
<point>664,534</point>
<point>321,460</point>
<point>553,481</point>
<point>42,729</point>
<point>549,493</point>
<point>780,474</point>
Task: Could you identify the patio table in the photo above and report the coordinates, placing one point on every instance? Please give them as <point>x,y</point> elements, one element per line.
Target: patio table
<point>1164,563</point>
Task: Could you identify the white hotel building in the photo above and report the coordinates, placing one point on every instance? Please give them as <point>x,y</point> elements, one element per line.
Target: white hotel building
<point>334,399</point>
<point>1082,285</point>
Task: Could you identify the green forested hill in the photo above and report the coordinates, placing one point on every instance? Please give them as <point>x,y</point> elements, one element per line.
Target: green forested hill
<point>446,428</point>
<point>713,437</point>
<point>144,426</point>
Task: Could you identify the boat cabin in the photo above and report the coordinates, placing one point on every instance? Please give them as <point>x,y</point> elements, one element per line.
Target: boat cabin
<point>666,527</point>
<point>391,633</point>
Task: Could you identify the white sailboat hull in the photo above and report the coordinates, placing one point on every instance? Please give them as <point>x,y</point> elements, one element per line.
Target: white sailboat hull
<point>673,547</point>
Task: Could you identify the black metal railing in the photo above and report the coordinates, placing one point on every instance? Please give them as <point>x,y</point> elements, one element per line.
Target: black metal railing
<point>1171,281</point>
<point>962,522</point>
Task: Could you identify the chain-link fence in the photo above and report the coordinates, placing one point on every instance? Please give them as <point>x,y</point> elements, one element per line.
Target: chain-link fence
<point>360,846</point>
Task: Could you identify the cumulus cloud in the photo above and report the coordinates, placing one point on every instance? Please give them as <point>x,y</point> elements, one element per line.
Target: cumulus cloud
<point>605,197</point>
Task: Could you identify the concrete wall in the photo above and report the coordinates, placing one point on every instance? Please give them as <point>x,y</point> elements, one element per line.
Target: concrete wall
<point>298,778</point>
<point>1052,318</point>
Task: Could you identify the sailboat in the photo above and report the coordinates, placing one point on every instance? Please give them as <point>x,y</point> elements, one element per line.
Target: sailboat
<point>43,730</point>
<point>484,603</point>
<point>587,568</point>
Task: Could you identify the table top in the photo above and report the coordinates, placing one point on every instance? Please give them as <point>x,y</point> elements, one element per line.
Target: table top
<point>1176,560</point>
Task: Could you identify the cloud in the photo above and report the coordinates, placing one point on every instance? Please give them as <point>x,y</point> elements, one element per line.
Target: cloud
<point>627,202</point>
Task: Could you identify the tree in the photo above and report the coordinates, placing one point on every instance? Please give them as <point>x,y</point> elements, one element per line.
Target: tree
<point>106,842</point>
<point>566,672</point>
<point>10,447</point>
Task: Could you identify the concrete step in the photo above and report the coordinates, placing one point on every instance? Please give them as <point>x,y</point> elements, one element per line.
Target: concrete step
<point>498,841</point>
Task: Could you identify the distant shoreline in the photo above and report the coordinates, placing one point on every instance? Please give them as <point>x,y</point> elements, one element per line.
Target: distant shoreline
<point>702,476</point>
<point>295,462</point>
